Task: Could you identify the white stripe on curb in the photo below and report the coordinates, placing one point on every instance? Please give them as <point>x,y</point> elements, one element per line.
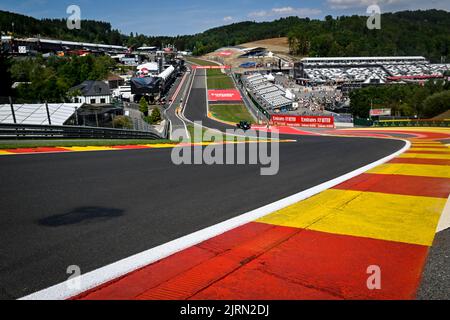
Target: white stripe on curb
<point>444,222</point>
<point>118,269</point>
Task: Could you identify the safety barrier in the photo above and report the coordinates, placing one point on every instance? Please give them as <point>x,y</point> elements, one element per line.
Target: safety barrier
<point>20,131</point>
<point>412,123</point>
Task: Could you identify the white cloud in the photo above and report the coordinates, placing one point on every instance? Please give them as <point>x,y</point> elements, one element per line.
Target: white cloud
<point>228,19</point>
<point>285,12</point>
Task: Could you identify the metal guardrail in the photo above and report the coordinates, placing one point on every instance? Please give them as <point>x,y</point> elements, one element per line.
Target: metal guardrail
<point>22,131</point>
<point>412,123</point>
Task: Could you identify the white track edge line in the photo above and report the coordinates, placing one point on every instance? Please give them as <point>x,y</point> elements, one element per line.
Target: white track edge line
<point>123,267</point>
<point>444,221</point>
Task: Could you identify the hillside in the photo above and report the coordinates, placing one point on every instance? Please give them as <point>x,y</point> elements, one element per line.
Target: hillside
<point>276,45</point>
<point>403,33</point>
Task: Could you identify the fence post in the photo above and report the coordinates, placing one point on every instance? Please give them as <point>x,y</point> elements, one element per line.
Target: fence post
<point>76,116</point>
<point>12,110</point>
<point>48,113</point>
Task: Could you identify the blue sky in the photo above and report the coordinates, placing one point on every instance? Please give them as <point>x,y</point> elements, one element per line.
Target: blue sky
<point>172,17</point>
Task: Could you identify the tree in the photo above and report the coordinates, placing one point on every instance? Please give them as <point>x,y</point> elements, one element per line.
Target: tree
<point>123,122</point>
<point>155,117</point>
<point>143,106</point>
<point>437,104</point>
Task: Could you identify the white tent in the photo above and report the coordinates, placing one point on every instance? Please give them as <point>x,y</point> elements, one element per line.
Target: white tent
<point>37,113</point>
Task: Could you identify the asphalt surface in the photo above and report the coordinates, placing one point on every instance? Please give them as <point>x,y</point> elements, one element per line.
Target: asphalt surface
<point>196,108</point>
<point>436,278</point>
<point>171,111</point>
<point>93,209</point>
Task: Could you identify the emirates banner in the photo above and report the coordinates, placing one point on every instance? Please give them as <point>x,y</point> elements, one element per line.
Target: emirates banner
<point>303,121</point>
<point>224,95</point>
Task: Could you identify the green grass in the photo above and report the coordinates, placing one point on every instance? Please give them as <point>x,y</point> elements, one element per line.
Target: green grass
<point>16,144</point>
<point>231,113</point>
<point>214,73</point>
<point>217,80</point>
<point>191,133</point>
<point>200,62</point>
<point>220,83</point>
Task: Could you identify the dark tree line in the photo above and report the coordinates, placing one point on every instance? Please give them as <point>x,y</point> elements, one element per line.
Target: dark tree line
<point>424,101</point>
<point>403,33</point>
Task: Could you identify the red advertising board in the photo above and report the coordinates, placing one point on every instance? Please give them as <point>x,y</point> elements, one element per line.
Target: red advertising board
<point>224,95</point>
<point>303,121</point>
<point>211,67</point>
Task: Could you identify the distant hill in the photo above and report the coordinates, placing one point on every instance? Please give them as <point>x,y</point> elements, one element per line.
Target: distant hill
<point>277,45</point>
<point>403,33</point>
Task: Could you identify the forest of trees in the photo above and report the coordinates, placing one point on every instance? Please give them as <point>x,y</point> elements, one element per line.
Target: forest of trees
<point>50,79</point>
<point>423,33</point>
<point>427,101</point>
<point>404,33</point>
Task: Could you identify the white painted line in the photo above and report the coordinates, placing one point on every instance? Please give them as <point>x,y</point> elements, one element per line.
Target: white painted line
<point>444,222</point>
<point>116,270</point>
<point>206,92</point>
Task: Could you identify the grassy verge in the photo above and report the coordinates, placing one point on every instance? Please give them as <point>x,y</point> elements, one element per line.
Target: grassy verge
<point>200,62</point>
<point>15,144</point>
<point>220,83</point>
<point>194,140</point>
<point>231,113</point>
<point>218,80</point>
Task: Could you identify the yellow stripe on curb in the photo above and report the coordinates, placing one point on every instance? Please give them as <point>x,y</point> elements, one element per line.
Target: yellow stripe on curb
<point>86,149</point>
<point>399,218</point>
<point>421,145</point>
<point>425,156</point>
<point>422,148</point>
<point>5,153</point>
<point>421,170</point>
<point>160,146</point>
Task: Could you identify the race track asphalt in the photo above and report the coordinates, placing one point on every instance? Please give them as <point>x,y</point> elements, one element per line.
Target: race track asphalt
<point>93,209</point>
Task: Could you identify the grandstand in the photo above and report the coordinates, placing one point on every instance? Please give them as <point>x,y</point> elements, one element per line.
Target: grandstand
<point>270,96</point>
<point>366,69</point>
<point>36,114</point>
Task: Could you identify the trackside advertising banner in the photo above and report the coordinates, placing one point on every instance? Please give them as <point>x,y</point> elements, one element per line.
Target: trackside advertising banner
<point>303,121</point>
<point>380,112</point>
<point>211,67</point>
<point>224,95</point>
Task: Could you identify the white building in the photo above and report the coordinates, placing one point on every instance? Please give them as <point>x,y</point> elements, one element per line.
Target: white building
<point>92,92</point>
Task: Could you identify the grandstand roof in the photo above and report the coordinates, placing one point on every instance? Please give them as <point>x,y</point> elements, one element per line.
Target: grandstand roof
<point>361,58</point>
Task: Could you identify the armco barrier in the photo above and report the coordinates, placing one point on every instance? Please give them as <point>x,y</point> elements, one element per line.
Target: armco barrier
<point>21,131</point>
<point>413,123</point>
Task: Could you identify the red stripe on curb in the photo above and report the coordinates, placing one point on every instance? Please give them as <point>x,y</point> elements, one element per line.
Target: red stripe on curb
<point>140,281</point>
<point>187,284</point>
<point>316,265</point>
<point>436,162</point>
<point>398,184</point>
<point>37,150</point>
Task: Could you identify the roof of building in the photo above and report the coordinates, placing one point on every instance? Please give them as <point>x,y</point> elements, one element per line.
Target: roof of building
<point>362,58</point>
<point>91,88</point>
<point>37,113</point>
